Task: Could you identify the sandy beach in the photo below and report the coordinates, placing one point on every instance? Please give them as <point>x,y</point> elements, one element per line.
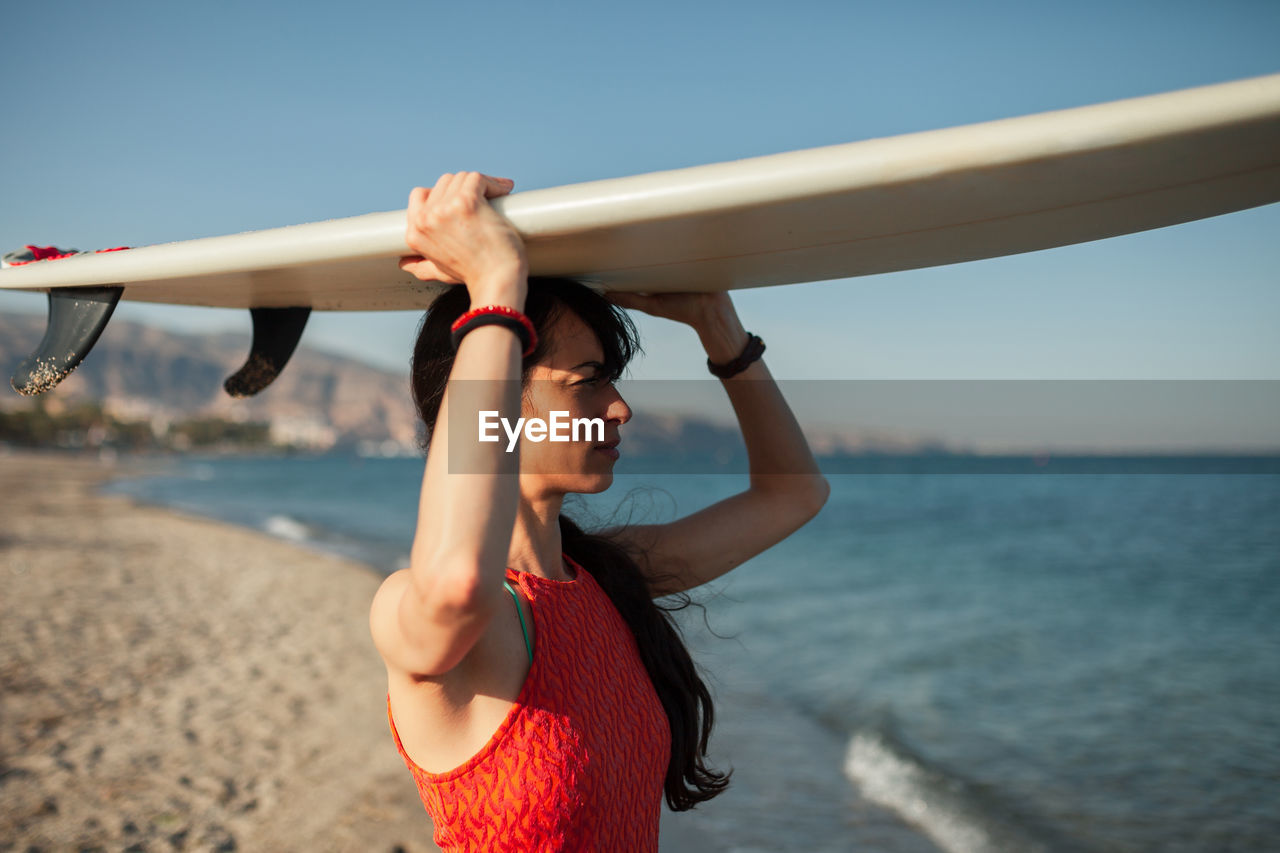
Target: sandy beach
<point>174,683</point>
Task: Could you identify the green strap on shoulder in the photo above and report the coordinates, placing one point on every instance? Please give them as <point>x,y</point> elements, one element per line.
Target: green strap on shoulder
<point>520,612</point>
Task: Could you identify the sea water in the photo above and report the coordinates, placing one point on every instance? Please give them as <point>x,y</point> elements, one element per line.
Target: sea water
<point>965,662</point>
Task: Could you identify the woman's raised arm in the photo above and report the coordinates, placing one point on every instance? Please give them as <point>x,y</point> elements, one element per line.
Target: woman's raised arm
<point>426,618</point>
<point>786,488</point>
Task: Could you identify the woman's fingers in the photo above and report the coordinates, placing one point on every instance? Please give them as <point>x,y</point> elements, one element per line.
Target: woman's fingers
<point>442,184</point>
<point>452,228</point>
<point>637,301</point>
<point>418,197</point>
<point>416,218</point>
<point>689,308</point>
<point>494,187</point>
<point>425,270</point>
<point>436,210</point>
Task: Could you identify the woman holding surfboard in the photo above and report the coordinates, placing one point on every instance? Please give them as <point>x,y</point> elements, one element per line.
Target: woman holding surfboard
<point>539,696</point>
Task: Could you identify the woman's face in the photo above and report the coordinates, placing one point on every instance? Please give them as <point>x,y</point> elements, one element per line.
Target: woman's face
<point>571,379</point>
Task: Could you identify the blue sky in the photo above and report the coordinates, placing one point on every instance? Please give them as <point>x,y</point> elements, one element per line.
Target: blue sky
<point>139,123</point>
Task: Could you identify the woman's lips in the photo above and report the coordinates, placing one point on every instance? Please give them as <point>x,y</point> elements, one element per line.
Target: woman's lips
<point>610,450</point>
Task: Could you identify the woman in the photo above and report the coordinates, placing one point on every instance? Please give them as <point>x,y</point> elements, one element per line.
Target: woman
<point>554,710</point>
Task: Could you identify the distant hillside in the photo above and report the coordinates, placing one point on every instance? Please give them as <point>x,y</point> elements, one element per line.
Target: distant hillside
<point>321,400</point>
<point>153,374</point>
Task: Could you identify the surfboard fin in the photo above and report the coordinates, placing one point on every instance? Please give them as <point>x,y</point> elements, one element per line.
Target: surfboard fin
<point>276,332</point>
<point>77,316</point>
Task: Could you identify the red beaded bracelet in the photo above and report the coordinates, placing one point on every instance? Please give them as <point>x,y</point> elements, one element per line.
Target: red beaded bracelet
<point>500,315</point>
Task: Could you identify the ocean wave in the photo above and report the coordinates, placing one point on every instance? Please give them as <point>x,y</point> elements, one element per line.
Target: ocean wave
<point>941,805</point>
<point>288,528</point>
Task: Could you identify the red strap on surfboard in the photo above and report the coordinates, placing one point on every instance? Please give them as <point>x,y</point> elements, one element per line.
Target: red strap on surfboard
<point>31,254</point>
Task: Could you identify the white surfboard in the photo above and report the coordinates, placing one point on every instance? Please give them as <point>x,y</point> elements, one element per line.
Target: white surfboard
<point>882,205</point>
<point>919,200</point>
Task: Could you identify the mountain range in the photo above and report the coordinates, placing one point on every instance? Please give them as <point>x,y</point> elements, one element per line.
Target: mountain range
<point>143,373</point>
<point>320,400</point>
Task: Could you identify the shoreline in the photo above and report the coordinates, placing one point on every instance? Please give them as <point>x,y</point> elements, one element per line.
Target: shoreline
<point>379,558</point>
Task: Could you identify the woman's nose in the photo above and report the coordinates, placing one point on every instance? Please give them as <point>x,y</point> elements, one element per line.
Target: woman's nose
<point>618,410</point>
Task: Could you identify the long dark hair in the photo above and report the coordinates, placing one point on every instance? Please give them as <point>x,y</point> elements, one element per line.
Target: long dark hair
<point>675,678</point>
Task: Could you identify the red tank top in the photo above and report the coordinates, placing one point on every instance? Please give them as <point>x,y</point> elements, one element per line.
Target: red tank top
<point>580,759</point>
